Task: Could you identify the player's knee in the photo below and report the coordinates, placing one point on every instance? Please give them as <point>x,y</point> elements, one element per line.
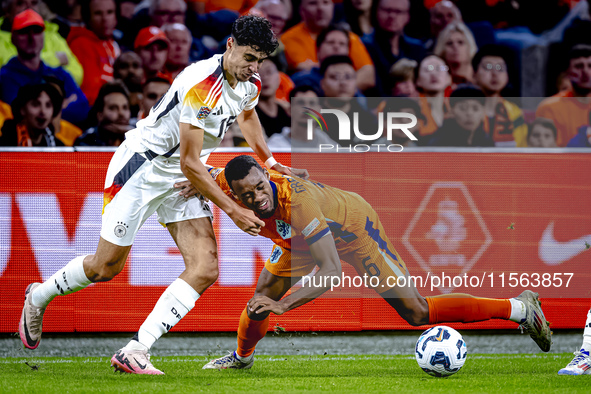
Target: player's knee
<point>210,276</point>
<point>102,271</point>
<point>416,313</point>
<point>206,270</point>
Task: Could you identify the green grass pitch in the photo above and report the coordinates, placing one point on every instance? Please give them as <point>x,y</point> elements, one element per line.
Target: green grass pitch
<point>486,373</point>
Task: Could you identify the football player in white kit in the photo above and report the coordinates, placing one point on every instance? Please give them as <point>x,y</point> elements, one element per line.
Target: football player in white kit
<point>171,145</point>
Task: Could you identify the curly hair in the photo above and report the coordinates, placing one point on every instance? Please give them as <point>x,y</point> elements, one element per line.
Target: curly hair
<point>239,167</point>
<point>255,31</point>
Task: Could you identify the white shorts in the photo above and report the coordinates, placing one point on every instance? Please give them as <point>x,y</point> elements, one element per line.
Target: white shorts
<point>135,188</point>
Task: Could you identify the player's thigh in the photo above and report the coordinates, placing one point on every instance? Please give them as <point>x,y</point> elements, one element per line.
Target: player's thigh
<point>195,239</point>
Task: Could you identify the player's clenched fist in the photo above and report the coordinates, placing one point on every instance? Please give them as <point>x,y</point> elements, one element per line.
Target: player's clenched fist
<point>247,221</point>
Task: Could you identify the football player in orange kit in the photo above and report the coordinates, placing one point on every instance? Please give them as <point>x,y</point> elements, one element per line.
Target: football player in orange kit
<point>313,224</point>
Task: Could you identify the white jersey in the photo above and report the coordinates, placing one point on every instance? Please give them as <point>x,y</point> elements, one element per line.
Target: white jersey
<point>200,95</point>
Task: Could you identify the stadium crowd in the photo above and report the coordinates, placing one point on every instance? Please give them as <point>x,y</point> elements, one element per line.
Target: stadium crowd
<point>474,72</point>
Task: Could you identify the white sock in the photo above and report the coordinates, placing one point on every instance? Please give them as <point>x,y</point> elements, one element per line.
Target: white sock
<point>244,359</point>
<point>176,301</point>
<point>517,310</point>
<point>587,334</point>
<point>67,280</point>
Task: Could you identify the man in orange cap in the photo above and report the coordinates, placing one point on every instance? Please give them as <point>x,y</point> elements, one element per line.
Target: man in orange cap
<point>151,44</point>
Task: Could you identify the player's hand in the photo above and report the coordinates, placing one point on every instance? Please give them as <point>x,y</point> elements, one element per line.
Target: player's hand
<point>291,171</point>
<point>260,304</point>
<point>188,190</point>
<point>247,221</point>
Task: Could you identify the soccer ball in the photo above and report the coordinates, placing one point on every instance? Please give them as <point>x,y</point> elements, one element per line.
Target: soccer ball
<point>441,351</point>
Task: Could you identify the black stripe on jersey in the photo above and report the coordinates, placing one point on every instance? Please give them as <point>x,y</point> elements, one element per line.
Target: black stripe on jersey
<point>170,106</point>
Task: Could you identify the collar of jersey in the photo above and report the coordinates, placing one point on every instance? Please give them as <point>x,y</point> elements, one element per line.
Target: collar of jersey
<point>275,198</point>
<point>222,67</point>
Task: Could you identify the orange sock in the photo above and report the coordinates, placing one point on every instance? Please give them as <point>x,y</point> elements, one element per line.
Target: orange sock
<point>250,332</point>
<point>466,308</point>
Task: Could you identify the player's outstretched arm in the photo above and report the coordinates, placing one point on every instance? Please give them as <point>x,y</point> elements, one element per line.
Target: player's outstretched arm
<point>250,126</point>
<point>190,148</point>
<point>326,257</point>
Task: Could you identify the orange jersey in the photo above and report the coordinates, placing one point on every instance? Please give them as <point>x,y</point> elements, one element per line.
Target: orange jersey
<point>307,210</point>
<point>568,114</point>
<point>300,46</point>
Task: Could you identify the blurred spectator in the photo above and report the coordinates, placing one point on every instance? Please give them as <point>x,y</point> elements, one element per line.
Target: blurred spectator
<point>541,134</point>
<point>569,109</point>
<point>338,85</point>
<point>56,51</point>
<point>504,120</point>
<point>151,44</point>
<point>433,81</point>
<point>28,68</point>
<point>94,45</point>
<point>409,106</point>
<point>583,137</point>
<point>152,92</point>
<point>296,136</point>
<point>563,82</point>
<point>33,109</point>
<point>111,109</point>
<point>334,40</point>
<point>66,15</point>
<point>240,6</point>
<point>276,12</point>
<point>5,114</point>
<point>300,40</point>
<point>466,128</point>
<point>358,15</point>
<point>126,25</point>
<point>64,130</point>
<point>388,43</point>
<point>402,78</point>
<point>457,47</point>
<point>180,39</point>
<point>273,113</point>
<point>128,68</point>
<point>164,12</point>
<point>441,15</point>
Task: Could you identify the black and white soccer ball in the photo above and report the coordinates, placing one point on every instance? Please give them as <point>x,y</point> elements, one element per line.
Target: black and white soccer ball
<point>441,351</point>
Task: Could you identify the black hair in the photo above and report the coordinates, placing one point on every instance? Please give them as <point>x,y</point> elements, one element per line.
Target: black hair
<point>492,50</point>
<point>466,92</point>
<point>255,31</point>
<point>239,167</point>
<point>395,104</point>
<point>579,50</point>
<point>303,89</point>
<point>30,92</point>
<point>157,78</point>
<point>332,60</point>
<point>115,86</point>
<point>57,83</point>
<point>322,35</point>
<point>546,123</point>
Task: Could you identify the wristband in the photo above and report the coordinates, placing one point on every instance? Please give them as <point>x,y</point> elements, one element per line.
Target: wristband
<point>270,162</point>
